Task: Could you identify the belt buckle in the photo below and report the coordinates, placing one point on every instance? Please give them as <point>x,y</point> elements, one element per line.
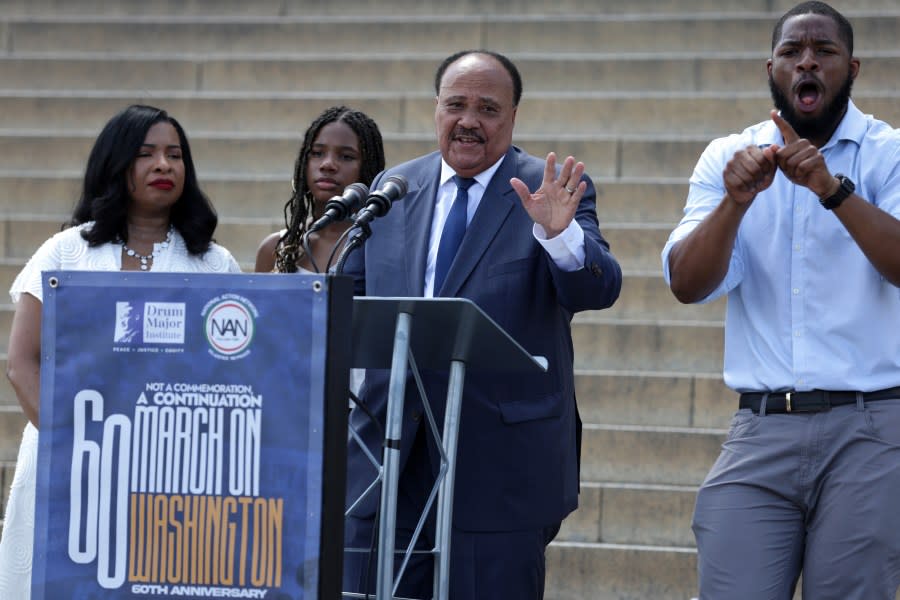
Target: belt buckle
<point>787,402</point>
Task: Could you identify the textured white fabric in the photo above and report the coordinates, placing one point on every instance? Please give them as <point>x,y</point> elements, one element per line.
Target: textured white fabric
<point>18,527</point>
<point>67,250</point>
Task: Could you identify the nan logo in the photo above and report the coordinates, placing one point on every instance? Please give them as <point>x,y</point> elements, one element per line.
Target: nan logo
<point>149,323</point>
<point>229,326</point>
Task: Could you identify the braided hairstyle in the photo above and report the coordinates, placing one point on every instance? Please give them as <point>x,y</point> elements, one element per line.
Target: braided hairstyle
<point>298,211</point>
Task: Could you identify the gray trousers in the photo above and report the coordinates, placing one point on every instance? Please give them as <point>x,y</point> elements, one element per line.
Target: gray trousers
<point>817,492</point>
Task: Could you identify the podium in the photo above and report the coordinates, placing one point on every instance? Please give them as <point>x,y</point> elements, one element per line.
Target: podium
<point>193,435</point>
<point>400,334</point>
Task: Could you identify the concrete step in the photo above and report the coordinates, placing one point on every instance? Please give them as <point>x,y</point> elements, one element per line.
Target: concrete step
<point>7,472</point>
<point>692,347</point>
<point>638,199</point>
<point>8,271</point>
<point>251,112</point>
<point>649,515</point>
<point>653,455</point>
<point>6,317</point>
<point>628,114</point>
<point>315,8</point>
<point>231,153</point>
<point>645,295</point>
<point>582,571</point>
<point>659,399</point>
<point>247,36</point>
<point>637,246</point>
<point>408,34</point>
<point>560,74</point>
<point>133,8</point>
<point>7,395</point>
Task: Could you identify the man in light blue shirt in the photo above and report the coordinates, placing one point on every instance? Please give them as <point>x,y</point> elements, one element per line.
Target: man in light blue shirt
<point>796,219</point>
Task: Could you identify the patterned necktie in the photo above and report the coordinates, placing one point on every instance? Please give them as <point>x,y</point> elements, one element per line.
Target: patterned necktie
<point>454,230</point>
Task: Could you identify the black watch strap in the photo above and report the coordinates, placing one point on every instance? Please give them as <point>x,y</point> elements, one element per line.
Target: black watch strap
<point>844,190</point>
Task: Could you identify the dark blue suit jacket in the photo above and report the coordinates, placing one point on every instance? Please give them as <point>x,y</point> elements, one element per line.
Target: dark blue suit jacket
<point>517,464</point>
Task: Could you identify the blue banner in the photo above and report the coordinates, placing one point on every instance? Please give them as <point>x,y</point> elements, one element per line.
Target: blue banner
<point>182,436</point>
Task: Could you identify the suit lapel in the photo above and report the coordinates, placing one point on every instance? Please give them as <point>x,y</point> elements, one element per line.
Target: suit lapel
<point>496,204</point>
<point>419,211</point>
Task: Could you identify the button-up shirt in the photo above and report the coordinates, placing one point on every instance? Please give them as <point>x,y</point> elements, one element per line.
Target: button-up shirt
<point>806,309</point>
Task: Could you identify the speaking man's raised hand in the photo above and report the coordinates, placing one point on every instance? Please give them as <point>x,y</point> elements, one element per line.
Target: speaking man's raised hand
<point>553,205</point>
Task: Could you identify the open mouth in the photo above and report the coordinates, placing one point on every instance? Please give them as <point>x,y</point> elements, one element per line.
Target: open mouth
<point>467,138</point>
<point>808,94</point>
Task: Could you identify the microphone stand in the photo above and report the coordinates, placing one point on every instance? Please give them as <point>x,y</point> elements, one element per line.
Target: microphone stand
<point>363,232</point>
<point>377,205</point>
<point>304,242</point>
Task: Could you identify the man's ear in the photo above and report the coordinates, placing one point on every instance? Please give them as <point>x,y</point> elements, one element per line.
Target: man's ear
<point>854,67</point>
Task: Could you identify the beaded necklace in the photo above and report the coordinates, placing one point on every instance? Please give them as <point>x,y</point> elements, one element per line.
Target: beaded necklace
<point>157,249</point>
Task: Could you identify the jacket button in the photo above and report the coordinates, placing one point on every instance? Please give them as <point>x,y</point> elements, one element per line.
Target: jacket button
<point>596,270</point>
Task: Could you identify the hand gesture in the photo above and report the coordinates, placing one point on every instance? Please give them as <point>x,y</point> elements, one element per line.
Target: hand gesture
<point>553,205</point>
<point>749,172</point>
<point>801,161</point>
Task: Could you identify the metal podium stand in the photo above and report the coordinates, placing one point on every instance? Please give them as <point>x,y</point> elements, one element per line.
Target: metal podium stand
<point>449,333</point>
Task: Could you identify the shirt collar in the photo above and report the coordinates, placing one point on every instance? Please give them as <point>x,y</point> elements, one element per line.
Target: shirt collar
<point>483,178</point>
<point>851,128</point>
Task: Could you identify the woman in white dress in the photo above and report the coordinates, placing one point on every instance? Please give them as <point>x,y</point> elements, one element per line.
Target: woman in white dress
<point>141,209</point>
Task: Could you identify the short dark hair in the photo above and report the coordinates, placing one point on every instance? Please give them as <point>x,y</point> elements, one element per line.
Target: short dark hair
<point>104,194</point>
<point>845,30</point>
<point>507,64</point>
<point>299,207</point>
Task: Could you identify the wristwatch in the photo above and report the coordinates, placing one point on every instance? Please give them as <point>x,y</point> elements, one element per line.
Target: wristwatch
<point>845,188</point>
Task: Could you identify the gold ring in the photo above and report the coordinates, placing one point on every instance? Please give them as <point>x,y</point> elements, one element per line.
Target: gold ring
<point>570,190</point>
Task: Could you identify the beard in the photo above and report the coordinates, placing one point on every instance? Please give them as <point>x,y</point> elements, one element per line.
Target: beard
<point>813,127</point>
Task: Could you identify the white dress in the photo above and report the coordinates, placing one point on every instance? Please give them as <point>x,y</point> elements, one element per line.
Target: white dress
<point>67,250</point>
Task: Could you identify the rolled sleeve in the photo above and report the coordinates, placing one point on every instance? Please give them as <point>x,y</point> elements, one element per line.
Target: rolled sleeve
<point>706,192</point>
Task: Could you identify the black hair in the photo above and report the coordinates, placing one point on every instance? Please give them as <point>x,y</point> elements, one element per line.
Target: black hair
<point>105,196</point>
<point>299,209</point>
<point>507,64</point>
<point>845,30</point>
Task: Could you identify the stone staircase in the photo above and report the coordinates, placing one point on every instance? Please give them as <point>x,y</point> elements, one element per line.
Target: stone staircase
<point>634,89</point>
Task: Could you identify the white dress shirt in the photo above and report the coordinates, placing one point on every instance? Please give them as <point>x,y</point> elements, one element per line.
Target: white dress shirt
<point>566,249</point>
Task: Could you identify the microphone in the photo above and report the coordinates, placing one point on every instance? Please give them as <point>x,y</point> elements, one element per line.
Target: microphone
<point>341,207</point>
<point>379,201</point>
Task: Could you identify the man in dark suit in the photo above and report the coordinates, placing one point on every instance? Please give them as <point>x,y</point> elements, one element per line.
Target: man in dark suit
<point>529,260</point>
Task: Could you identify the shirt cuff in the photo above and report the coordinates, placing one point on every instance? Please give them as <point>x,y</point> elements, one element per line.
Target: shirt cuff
<point>567,249</point>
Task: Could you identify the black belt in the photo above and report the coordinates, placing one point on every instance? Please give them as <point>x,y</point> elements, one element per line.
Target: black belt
<point>812,401</point>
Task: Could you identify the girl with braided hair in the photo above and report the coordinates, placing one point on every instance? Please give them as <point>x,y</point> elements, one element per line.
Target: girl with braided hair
<point>340,147</point>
